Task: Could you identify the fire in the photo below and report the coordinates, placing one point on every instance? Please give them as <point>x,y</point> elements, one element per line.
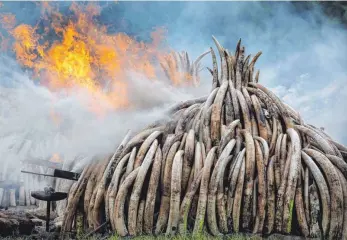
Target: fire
<point>177,75</point>
<point>84,55</point>
<point>56,158</point>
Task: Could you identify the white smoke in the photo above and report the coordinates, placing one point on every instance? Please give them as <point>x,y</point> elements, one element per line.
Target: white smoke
<point>303,61</point>
<point>304,53</point>
<point>29,132</point>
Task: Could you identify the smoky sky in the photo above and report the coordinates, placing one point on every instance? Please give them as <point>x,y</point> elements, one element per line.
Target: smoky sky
<point>304,62</point>
<point>304,51</point>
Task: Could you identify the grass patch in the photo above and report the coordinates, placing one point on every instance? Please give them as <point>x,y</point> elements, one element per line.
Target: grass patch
<point>191,237</point>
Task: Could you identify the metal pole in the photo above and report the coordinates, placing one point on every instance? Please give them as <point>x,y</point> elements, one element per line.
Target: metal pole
<point>41,174</point>
<point>48,215</point>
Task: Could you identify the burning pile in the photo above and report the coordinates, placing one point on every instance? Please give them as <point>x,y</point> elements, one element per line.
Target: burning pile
<point>237,160</point>
<point>75,52</point>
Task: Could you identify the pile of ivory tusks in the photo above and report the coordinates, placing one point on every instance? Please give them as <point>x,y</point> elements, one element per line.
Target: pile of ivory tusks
<point>239,160</point>
<point>178,68</point>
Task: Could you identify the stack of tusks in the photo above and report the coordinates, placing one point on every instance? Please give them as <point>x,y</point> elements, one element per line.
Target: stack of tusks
<point>17,192</point>
<point>237,160</point>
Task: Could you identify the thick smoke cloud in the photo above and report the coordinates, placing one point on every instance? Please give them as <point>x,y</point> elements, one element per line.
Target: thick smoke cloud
<point>37,123</point>
<point>304,52</point>
<point>304,62</point>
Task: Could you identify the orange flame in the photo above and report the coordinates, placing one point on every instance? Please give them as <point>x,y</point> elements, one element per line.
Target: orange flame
<point>175,72</point>
<point>56,158</point>
<point>84,55</point>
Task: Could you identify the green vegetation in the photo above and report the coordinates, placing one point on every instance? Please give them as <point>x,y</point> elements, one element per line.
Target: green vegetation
<point>191,237</point>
